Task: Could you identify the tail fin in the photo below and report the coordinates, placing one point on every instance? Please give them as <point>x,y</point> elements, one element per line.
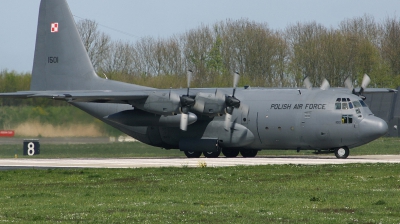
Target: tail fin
<point>61,61</point>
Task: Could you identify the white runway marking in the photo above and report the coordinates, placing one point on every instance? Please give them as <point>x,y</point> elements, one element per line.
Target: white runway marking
<point>185,162</point>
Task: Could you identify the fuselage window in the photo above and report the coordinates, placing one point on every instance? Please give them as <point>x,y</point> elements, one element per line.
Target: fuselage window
<point>347,119</point>
<point>344,119</point>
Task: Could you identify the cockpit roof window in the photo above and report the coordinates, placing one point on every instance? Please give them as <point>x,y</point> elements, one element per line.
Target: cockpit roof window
<point>363,104</point>
<point>338,99</point>
<point>343,99</point>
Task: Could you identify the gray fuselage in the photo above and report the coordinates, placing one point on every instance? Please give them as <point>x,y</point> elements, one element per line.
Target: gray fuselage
<point>273,119</point>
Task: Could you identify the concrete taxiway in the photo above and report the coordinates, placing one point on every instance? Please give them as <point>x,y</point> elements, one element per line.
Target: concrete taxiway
<point>185,162</point>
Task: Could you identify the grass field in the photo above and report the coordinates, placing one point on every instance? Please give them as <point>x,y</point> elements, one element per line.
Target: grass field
<point>137,149</point>
<point>355,193</point>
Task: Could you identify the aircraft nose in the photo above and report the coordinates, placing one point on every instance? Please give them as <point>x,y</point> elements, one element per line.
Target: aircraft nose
<point>373,127</point>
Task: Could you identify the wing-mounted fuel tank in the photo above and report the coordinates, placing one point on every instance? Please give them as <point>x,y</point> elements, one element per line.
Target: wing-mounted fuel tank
<point>142,118</point>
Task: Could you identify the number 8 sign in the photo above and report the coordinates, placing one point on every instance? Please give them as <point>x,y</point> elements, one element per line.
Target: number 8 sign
<point>31,147</point>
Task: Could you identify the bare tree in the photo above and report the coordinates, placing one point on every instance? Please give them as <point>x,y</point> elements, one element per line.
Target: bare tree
<point>96,43</point>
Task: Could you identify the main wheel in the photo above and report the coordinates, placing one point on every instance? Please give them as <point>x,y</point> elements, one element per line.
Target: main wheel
<point>248,152</point>
<point>192,154</point>
<point>212,154</point>
<point>342,152</point>
<point>230,152</point>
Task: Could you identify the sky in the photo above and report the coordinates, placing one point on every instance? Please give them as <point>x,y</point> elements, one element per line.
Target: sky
<point>163,19</point>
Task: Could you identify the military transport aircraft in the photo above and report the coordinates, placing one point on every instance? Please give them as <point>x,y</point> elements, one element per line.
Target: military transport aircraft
<point>197,121</point>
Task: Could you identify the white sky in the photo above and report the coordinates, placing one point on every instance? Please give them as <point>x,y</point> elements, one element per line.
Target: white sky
<point>156,18</point>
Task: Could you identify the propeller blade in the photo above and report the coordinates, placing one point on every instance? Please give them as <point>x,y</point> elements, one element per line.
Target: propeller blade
<point>235,82</point>
<point>325,85</point>
<point>189,77</point>
<point>348,83</point>
<point>227,124</point>
<point>366,80</point>
<point>307,83</point>
<point>235,79</point>
<point>184,121</point>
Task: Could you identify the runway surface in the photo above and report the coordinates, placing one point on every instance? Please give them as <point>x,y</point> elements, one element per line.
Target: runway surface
<point>6,164</point>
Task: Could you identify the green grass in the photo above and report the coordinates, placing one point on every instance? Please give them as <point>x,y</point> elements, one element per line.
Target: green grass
<point>355,193</point>
<point>383,146</point>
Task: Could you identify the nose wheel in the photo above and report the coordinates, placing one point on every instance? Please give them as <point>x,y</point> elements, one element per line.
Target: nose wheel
<point>342,152</point>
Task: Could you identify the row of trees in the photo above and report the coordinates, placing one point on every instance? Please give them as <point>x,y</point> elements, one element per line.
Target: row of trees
<point>264,57</point>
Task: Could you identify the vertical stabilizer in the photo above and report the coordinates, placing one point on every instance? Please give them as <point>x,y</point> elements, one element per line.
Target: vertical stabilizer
<point>61,61</point>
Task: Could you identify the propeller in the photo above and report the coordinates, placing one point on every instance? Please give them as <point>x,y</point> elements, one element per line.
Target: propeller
<point>325,85</point>
<point>307,83</point>
<point>186,103</point>
<point>348,83</point>
<point>231,102</point>
<point>365,82</point>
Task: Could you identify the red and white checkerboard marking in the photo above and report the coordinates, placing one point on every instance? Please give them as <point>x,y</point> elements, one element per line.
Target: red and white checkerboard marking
<point>54,27</point>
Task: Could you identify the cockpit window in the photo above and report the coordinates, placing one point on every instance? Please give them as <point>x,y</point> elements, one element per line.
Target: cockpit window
<point>343,99</point>
<point>356,104</point>
<point>338,106</point>
<point>363,104</point>
<point>350,105</point>
<point>344,106</point>
<point>338,99</point>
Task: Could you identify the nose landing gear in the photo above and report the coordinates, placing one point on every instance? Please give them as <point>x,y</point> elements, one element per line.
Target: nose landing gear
<point>342,152</point>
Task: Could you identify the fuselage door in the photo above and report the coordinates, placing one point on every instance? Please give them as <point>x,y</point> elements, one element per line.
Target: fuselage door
<point>244,110</point>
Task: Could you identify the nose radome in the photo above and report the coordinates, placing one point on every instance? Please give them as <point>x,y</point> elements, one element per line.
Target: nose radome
<point>383,127</point>
<point>373,127</point>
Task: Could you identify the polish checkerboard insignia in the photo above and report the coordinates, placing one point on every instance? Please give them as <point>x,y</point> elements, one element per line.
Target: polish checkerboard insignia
<point>54,27</point>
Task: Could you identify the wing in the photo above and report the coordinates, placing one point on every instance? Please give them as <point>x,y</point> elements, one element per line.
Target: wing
<point>82,96</point>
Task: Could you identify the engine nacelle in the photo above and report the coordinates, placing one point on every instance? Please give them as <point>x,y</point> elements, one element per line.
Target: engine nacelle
<point>164,103</point>
<point>143,118</point>
<point>209,104</point>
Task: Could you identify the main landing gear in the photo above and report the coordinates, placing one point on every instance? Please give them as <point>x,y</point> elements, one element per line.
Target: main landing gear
<point>192,154</point>
<point>227,152</point>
